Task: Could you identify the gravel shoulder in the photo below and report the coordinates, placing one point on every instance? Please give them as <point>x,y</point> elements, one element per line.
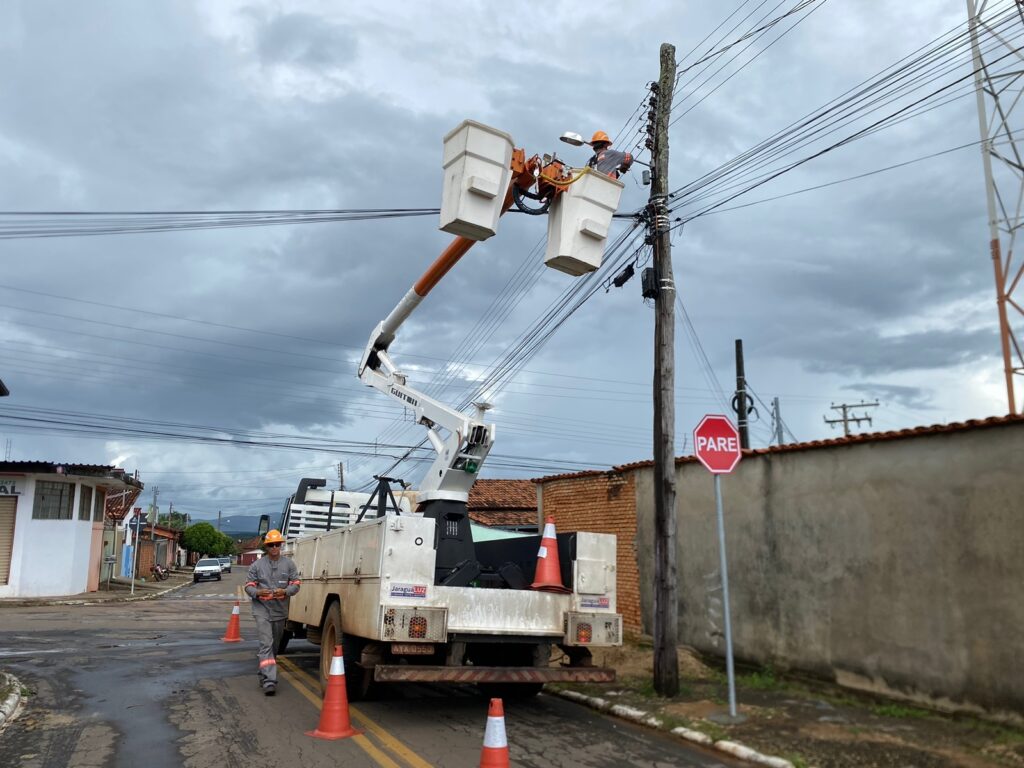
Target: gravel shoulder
<point>808,722</point>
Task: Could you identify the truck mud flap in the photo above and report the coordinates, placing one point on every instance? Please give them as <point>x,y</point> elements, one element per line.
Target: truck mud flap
<point>393,673</point>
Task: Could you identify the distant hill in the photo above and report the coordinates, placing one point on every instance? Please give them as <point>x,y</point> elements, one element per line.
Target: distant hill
<point>236,526</point>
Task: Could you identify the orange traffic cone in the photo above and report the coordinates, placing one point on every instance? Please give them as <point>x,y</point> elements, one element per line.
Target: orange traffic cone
<point>495,751</point>
<point>233,634</point>
<point>548,576</point>
<point>334,720</point>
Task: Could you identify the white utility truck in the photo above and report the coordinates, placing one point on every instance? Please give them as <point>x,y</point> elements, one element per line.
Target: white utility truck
<point>408,594</point>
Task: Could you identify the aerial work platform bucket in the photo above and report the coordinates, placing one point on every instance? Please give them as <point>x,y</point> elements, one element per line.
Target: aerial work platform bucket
<point>578,223</point>
<point>477,173</point>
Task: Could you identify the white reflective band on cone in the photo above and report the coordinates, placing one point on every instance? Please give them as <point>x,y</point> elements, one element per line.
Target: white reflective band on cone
<point>234,610</point>
<point>338,665</point>
<point>494,735</point>
<point>549,531</point>
<point>542,552</point>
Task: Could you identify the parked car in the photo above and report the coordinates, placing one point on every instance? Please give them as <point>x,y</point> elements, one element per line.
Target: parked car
<point>225,564</point>
<point>207,568</point>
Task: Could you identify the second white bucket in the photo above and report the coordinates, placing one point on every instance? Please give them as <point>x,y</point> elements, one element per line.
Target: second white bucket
<point>578,224</point>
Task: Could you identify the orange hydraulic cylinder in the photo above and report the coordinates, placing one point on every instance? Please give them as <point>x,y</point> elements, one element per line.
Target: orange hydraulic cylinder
<point>450,257</point>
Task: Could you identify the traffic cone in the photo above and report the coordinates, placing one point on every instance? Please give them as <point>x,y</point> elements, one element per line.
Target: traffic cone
<point>548,576</point>
<point>495,751</point>
<point>233,634</point>
<point>334,720</point>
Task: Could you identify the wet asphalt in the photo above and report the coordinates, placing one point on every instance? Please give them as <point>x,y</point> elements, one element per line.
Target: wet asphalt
<point>150,683</point>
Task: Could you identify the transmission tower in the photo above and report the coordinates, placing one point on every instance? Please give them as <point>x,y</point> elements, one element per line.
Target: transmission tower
<point>997,74</point>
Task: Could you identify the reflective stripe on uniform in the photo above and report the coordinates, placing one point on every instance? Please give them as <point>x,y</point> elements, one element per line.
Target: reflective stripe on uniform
<point>296,581</point>
<point>268,663</point>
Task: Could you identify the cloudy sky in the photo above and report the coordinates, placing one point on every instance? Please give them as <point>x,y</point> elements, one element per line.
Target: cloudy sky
<point>874,289</point>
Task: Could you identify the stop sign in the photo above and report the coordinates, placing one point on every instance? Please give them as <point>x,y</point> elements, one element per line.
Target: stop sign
<point>717,444</point>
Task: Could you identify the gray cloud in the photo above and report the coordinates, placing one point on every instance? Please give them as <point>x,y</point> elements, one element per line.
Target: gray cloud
<point>142,106</point>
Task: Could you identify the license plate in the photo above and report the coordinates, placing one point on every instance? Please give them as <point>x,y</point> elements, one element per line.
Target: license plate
<point>412,649</point>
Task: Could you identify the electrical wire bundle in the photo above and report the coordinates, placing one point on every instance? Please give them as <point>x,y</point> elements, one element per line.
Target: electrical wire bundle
<point>35,224</point>
<point>933,76</point>
<point>107,426</point>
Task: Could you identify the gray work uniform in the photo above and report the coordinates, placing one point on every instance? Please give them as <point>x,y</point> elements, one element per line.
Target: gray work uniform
<point>270,613</point>
<point>610,162</point>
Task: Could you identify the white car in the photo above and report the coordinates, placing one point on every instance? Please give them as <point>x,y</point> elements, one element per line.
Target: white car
<point>207,568</point>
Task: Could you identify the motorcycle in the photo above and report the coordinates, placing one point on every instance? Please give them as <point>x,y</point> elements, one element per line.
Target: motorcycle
<point>159,572</point>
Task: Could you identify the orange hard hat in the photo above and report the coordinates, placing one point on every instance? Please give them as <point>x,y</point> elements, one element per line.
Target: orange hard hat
<point>599,137</point>
<point>273,537</point>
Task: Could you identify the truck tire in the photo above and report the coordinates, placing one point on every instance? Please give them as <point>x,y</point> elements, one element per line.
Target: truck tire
<point>358,681</point>
<point>330,636</point>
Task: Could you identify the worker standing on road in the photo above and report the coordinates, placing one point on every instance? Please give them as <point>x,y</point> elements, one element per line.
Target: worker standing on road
<point>272,581</point>
<point>606,160</point>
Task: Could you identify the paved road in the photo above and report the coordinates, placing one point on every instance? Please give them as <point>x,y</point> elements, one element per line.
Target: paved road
<point>150,683</point>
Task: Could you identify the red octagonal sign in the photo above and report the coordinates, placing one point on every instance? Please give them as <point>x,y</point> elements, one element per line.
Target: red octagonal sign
<point>717,444</point>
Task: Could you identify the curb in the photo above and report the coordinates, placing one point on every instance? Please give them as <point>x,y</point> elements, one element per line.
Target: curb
<point>645,718</point>
<point>35,602</point>
<point>11,707</point>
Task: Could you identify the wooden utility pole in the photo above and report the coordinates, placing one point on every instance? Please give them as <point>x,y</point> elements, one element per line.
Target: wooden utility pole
<point>666,607</point>
<point>847,417</point>
<point>740,404</point>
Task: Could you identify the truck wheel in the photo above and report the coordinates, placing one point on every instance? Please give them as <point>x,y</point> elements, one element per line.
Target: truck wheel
<point>283,644</point>
<point>359,683</point>
<point>330,636</point>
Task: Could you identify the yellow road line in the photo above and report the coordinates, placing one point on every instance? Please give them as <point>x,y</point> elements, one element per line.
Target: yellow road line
<point>367,746</point>
<point>389,741</point>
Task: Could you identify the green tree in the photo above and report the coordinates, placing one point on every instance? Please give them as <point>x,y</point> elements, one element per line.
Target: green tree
<point>226,545</point>
<point>177,521</point>
<point>202,538</point>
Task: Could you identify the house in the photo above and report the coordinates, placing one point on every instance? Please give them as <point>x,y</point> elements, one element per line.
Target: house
<point>51,525</point>
<point>510,505</point>
<point>250,556</point>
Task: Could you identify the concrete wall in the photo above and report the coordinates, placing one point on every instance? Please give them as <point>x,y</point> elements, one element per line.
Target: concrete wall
<point>892,565</point>
<point>888,565</point>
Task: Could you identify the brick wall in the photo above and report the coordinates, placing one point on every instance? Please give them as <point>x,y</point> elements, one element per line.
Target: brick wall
<point>602,503</point>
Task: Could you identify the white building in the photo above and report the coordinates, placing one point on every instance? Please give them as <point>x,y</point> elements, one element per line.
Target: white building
<point>51,525</point>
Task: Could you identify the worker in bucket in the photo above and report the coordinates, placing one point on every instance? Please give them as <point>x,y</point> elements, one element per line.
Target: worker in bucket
<point>272,581</point>
<point>606,160</point>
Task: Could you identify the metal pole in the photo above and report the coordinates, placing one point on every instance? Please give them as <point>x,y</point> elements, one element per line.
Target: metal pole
<point>995,249</point>
<point>725,597</point>
<point>778,422</point>
<point>135,549</point>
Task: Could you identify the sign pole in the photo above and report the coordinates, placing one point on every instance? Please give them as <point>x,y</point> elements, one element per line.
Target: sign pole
<point>717,446</point>
<point>730,671</point>
<point>135,549</point>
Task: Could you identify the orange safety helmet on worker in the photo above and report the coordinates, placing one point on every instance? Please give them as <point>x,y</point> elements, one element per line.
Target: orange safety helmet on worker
<point>273,579</point>
<point>607,160</point>
<point>273,537</point>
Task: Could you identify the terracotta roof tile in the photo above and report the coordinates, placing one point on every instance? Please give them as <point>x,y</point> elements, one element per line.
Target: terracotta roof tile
<point>504,517</point>
<point>839,442</point>
<point>503,495</point>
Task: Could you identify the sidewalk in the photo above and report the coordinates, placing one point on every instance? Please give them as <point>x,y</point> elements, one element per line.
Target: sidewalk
<point>120,592</point>
<point>807,723</point>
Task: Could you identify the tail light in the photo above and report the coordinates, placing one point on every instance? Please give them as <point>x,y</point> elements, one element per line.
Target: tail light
<point>592,628</point>
<point>421,624</point>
